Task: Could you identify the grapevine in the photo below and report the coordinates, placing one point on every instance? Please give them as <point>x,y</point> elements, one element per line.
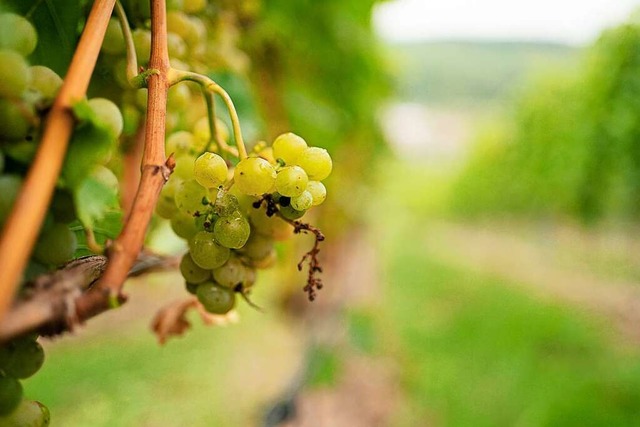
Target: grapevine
<point>230,202</point>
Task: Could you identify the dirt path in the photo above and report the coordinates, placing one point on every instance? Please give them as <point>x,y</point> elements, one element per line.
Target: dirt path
<point>535,267</point>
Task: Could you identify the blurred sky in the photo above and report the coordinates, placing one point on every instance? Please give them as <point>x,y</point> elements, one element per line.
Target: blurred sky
<point>568,21</point>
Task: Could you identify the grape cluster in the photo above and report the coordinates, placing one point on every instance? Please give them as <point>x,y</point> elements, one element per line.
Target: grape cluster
<point>20,359</point>
<point>220,212</point>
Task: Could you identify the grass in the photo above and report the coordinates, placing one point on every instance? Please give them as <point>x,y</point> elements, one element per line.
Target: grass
<point>478,351</point>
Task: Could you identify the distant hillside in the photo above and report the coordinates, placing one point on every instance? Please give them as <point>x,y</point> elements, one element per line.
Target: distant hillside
<point>470,72</point>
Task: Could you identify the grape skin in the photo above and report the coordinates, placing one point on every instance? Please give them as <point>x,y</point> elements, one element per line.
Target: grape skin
<point>191,272</point>
<point>316,162</point>
<point>108,114</point>
<point>14,74</point>
<point>21,358</point>
<point>230,274</point>
<point>254,176</point>
<point>45,82</point>
<point>288,147</point>
<point>17,33</point>
<point>56,245</point>
<point>210,170</point>
<point>216,299</point>
<point>10,394</point>
<point>232,231</point>
<point>184,225</point>
<point>206,252</point>
<point>291,181</point>
<point>190,195</point>
<point>318,192</point>
<point>302,202</point>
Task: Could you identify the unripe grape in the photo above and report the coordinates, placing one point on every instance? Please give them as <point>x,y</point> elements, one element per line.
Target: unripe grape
<point>16,119</point>
<point>142,41</point>
<point>179,143</point>
<point>113,42</point>
<point>232,231</point>
<point>108,115</point>
<point>227,205</point>
<point>254,176</point>
<point>17,34</point>
<point>184,225</point>
<point>190,196</point>
<point>318,192</point>
<point>272,226</point>
<point>266,262</point>
<point>184,167</point>
<point>10,394</point>
<point>21,358</point>
<point>230,274</point>
<point>177,47</point>
<point>14,74</point>
<point>288,147</point>
<point>316,162</point>
<point>302,202</point>
<point>210,170</point>
<point>166,206</point>
<point>192,288</point>
<point>45,82</point>
<point>291,181</point>
<point>194,6</point>
<point>27,414</point>
<point>206,252</point>
<point>203,135</point>
<point>56,245</point>
<point>290,213</point>
<point>179,97</point>
<point>216,299</point>
<point>179,23</point>
<point>191,272</point>
<point>258,247</point>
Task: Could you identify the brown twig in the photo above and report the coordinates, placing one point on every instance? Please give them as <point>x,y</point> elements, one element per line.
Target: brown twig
<point>46,305</point>
<point>155,172</point>
<point>23,225</point>
<point>131,160</point>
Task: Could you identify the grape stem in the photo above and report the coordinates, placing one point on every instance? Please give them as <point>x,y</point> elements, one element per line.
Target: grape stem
<point>211,115</point>
<point>130,47</point>
<point>23,225</point>
<point>176,76</point>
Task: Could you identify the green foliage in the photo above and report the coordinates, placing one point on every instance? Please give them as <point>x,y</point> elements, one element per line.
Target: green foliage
<point>569,148</point>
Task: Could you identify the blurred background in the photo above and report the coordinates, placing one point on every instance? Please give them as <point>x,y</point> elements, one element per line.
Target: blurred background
<point>482,265</point>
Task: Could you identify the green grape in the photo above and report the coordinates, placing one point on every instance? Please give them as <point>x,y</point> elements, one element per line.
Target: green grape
<point>258,247</point>
<point>9,188</point>
<point>191,272</point>
<point>14,74</point>
<point>291,181</point>
<point>179,143</point>
<point>21,358</point>
<point>166,206</point>
<point>206,252</point>
<point>113,42</point>
<point>10,394</point>
<point>2,161</point>
<point>108,115</point>
<point>190,196</point>
<point>202,132</point>
<point>131,117</point>
<point>45,82</point>
<point>269,226</point>
<point>206,221</point>
<point>266,262</point>
<point>142,41</point>
<point>318,192</point>
<point>249,278</point>
<point>177,47</point>
<point>316,162</point>
<point>179,97</point>
<point>232,231</point>
<point>16,119</point>
<point>184,225</point>
<point>216,299</point>
<point>288,147</point>
<point>302,202</point>
<point>175,5</point>
<point>227,205</point>
<point>254,176</point>
<point>194,6</point>
<point>210,170</point>
<point>179,23</point>
<point>230,274</point>
<point>184,167</point>
<point>27,414</point>
<point>17,34</point>
<point>290,213</point>
<point>56,245</point>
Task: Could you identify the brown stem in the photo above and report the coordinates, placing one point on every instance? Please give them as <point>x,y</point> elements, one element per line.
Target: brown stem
<point>155,172</point>
<point>23,225</point>
<point>131,159</point>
